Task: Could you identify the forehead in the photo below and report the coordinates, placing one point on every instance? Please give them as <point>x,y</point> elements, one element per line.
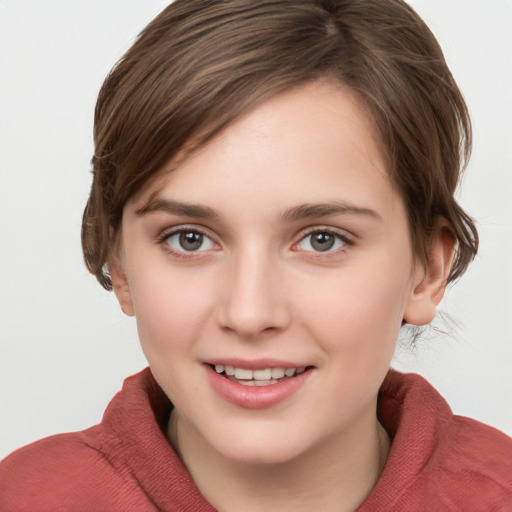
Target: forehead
<point>306,144</point>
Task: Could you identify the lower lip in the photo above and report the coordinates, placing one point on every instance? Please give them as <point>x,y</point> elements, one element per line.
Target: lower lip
<point>255,397</point>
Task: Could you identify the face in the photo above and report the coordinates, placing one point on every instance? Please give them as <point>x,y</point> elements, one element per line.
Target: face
<point>269,274</point>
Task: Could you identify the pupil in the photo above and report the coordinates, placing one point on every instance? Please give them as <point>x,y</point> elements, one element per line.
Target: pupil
<point>322,241</point>
<point>191,240</point>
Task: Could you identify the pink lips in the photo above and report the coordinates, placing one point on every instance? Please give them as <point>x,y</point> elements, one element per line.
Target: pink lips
<point>255,397</point>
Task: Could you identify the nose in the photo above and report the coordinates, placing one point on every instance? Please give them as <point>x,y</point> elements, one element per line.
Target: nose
<point>254,300</point>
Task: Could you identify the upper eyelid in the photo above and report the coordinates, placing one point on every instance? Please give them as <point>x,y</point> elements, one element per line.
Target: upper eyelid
<point>343,233</point>
<point>166,234</point>
<point>169,231</point>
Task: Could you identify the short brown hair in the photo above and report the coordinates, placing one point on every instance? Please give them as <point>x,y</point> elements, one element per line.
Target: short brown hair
<point>201,64</point>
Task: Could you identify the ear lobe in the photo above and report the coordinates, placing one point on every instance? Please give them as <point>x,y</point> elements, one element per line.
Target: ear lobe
<point>432,279</point>
<point>121,288</point>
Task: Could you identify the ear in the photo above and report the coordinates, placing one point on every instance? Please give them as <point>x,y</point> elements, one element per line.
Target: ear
<point>121,288</point>
<point>431,279</point>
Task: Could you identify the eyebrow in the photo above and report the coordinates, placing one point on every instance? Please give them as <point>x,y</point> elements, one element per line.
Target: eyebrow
<point>309,211</point>
<point>177,208</point>
<point>300,212</point>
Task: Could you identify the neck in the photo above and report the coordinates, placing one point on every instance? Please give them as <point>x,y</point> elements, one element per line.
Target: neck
<point>336,475</point>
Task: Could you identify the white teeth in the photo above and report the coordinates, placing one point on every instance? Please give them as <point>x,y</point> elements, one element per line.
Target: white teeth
<point>242,373</point>
<point>261,377</point>
<point>265,374</point>
<point>277,373</point>
<point>259,383</point>
<point>264,382</point>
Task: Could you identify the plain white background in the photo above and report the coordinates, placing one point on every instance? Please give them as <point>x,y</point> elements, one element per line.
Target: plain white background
<point>65,347</point>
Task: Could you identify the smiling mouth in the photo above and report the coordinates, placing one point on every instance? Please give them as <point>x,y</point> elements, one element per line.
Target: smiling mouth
<point>260,377</point>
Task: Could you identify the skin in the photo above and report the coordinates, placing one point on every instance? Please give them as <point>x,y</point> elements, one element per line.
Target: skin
<point>257,287</point>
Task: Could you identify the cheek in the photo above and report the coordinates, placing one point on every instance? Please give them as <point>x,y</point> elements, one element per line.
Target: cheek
<point>360,311</point>
<point>170,307</point>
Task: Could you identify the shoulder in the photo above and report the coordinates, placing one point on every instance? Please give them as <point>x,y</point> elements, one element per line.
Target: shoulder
<point>479,453</point>
<point>97,469</point>
<point>62,472</point>
<point>470,468</point>
<point>437,458</point>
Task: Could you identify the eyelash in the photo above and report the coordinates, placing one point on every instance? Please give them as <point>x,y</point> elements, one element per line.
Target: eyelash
<point>347,241</point>
<point>164,237</point>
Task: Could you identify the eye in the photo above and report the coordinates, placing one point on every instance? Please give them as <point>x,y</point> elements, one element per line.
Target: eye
<point>322,241</point>
<point>188,240</point>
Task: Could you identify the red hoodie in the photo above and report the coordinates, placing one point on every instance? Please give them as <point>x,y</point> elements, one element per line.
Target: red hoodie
<point>437,462</point>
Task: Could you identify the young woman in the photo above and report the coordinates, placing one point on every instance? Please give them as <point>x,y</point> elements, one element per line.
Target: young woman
<point>273,198</point>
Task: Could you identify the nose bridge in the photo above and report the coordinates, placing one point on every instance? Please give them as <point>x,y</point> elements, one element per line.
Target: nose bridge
<point>253,299</point>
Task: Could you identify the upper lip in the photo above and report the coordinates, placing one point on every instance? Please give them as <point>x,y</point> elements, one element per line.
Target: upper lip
<point>255,364</point>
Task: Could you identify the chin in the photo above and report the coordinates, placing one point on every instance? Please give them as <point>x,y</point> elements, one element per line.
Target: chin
<point>260,446</point>
<point>258,455</point>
